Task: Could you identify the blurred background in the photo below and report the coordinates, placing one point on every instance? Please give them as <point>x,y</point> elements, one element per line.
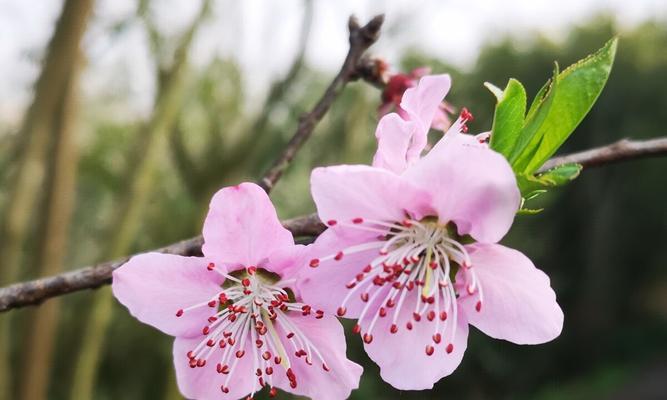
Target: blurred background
<point>119,119</point>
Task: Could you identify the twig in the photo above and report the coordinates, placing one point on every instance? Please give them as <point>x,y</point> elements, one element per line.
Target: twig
<point>361,38</point>
<point>622,150</point>
<point>36,291</point>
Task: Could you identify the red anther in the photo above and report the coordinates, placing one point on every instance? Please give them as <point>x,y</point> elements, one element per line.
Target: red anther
<point>393,328</point>
<point>478,306</point>
<point>358,220</point>
<point>190,355</point>
<point>437,338</point>
<point>367,269</point>
<point>406,223</point>
<point>212,303</point>
<point>433,265</point>
<point>300,353</point>
<point>206,330</point>
<point>356,328</point>
<point>305,310</point>
<point>210,343</point>
<point>245,282</point>
<point>179,313</point>
<point>292,384</point>
<point>360,277</point>
<point>232,317</point>
<point>417,317</point>
<point>192,363</point>
<point>450,348</point>
<point>268,370</point>
<point>429,350</point>
<point>262,331</point>
<point>251,270</point>
<point>218,368</point>
<point>341,311</point>
<point>212,319</point>
<point>290,335</point>
<point>258,372</point>
<point>383,312</point>
<point>201,362</point>
<point>339,256</point>
<point>210,266</point>
<point>466,115</point>
<point>266,355</point>
<point>231,341</point>
<point>464,128</point>
<point>290,374</point>
<point>259,343</point>
<point>332,222</point>
<point>364,296</point>
<point>225,369</point>
<point>222,298</point>
<point>222,343</point>
<point>273,392</point>
<point>314,263</point>
<point>408,325</point>
<point>226,334</point>
<point>410,285</point>
<point>430,315</point>
<point>443,315</point>
<point>224,389</point>
<point>278,360</point>
<point>368,338</point>
<point>240,353</point>
<point>390,303</point>
<point>326,367</point>
<point>351,285</point>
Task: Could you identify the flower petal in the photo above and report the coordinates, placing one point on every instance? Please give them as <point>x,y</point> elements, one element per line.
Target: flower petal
<point>242,226</point>
<point>345,192</point>
<point>326,335</point>
<point>470,184</point>
<point>324,287</point>
<point>394,136</point>
<point>402,356</point>
<point>519,304</point>
<point>204,383</point>
<point>154,286</point>
<point>421,103</point>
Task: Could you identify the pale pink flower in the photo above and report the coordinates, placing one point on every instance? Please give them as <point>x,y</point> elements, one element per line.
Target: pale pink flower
<point>411,250</point>
<point>393,92</point>
<point>235,313</point>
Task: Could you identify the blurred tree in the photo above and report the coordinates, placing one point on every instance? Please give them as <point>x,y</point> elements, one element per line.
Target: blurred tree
<point>47,120</point>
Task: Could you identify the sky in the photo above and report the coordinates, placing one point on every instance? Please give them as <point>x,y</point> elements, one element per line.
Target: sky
<point>262,35</point>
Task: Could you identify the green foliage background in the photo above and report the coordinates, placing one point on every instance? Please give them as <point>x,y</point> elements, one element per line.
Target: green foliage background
<point>601,238</point>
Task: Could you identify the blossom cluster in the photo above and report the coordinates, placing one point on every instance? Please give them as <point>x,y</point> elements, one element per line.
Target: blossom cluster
<point>411,253</point>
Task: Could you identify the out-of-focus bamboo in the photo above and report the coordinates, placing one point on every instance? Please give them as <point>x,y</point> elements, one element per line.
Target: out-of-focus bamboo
<point>128,217</point>
<point>35,135</point>
<point>60,185</point>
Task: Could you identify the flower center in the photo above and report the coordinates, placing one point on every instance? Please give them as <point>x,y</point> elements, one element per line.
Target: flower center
<point>414,258</point>
<point>249,318</point>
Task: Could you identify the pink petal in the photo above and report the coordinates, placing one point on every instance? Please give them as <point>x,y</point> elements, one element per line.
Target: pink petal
<point>313,381</point>
<point>203,383</point>
<point>519,304</point>
<point>471,185</point>
<point>242,226</point>
<point>402,355</point>
<point>324,287</point>
<point>345,192</point>
<point>287,262</point>
<point>154,286</point>
<point>394,135</point>
<point>421,103</point>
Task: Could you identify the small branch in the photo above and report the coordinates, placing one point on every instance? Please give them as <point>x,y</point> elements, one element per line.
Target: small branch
<point>623,150</point>
<point>361,38</point>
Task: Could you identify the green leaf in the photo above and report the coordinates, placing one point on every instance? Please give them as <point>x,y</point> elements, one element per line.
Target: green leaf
<point>577,88</point>
<point>532,186</point>
<point>531,133</point>
<point>508,117</point>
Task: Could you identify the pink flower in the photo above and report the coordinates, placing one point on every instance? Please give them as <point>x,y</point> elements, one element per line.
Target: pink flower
<point>235,313</point>
<point>411,250</point>
<point>397,84</point>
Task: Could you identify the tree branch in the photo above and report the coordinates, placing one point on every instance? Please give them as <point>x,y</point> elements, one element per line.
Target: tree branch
<point>361,38</point>
<point>36,291</point>
<point>622,150</point>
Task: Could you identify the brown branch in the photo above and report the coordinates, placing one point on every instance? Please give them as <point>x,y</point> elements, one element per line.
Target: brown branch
<point>361,38</point>
<point>36,291</point>
<point>623,150</point>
